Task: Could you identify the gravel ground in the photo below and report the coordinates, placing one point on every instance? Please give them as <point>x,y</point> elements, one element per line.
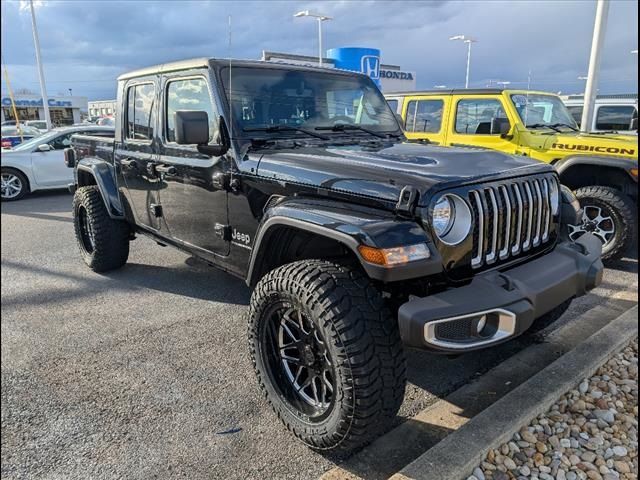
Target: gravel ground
<point>590,433</point>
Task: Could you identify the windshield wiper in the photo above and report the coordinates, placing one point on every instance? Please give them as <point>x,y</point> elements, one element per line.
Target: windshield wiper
<point>570,127</point>
<point>343,127</point>
<point>544,125</point>
<point>285,128</point>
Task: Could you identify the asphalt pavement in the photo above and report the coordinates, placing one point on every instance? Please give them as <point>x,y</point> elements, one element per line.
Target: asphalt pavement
<point>144,372</point>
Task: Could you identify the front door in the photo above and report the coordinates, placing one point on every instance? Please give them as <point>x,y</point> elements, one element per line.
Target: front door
<point>48,167</point>
<point>471,124</point>
<point>135,155</point>
<point>194,201</point>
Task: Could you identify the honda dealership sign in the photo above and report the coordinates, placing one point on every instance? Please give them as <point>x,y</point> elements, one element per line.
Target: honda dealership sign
<point>365,60</point>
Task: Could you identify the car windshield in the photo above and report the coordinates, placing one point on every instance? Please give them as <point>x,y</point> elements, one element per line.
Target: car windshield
<point>546,110</point>
<point>264,98</point>
<point>32,143</point>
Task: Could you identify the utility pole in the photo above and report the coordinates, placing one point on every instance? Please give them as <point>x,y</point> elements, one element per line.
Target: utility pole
<point>591,88</point>
<point>43,88</point>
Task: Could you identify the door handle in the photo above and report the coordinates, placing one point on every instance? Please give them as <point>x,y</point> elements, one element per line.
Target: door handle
<point>128,162</point>
<point>166,169</point>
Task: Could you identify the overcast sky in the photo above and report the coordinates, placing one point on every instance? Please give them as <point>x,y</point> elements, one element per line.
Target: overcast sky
<point>86,44</point>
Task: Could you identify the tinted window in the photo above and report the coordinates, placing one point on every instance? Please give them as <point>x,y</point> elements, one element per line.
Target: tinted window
<point>191,94</point>
<point>393,104</point>
<point>140,100</point>
<point>576,113</point>
<point>475,116</point>
<point>61,142</point>
<point>424,116</point>
<point>615,117</point>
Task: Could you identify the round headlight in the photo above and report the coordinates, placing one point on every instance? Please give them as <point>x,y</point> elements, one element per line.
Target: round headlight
<point>554,197</point>
<point>451,219</point>
<point>442,216</point>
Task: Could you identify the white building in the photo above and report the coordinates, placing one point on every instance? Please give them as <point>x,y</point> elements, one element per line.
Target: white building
<point>63,110</point>
<point>102,108</point>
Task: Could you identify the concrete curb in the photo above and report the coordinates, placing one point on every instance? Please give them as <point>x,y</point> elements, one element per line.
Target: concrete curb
<point>459,453</point>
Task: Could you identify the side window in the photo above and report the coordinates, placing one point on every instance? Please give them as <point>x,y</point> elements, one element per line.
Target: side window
<point>576,113</point>
<point>615,117</point>
<point>474,116</point>
<point>61,142</point>
<point>424,116</point>
<point>393,104</point>
<point>188,94</point>
<point>140,99</point>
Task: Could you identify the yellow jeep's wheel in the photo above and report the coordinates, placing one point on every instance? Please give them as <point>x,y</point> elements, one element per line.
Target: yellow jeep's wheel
<point>327,353</point>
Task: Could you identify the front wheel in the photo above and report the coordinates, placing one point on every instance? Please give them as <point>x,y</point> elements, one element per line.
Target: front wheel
<point>608,214</point>
<point>14,185</point>
<point>103,241</point>
<point>327,353</point>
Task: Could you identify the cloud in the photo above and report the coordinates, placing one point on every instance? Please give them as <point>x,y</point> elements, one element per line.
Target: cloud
<point>85,45</point>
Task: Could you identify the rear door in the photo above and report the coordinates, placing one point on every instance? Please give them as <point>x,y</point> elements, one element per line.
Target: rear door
<point>470,124</point>
<point>425,118</point>
<point>135,153</point>
<point>194,202</point>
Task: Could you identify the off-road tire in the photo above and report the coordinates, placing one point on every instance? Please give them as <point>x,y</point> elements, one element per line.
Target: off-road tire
<point>110,248</point>
<point>23,181</point>
<point>623,212</point>
<point>363,342</point>
<point>550,317</point>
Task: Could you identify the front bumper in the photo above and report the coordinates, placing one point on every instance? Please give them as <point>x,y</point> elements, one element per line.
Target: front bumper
<point>497,306</point>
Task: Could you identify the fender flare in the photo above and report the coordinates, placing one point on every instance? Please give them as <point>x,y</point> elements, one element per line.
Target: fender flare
<point>620,163</point>
<point>350,228</point>
<point>104,175</point>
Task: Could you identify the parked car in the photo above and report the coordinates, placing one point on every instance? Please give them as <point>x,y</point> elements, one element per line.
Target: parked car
<point>38,164</point>
<point>14,135</point>
<point>353,240</point>
<point>106,121</point>
<point>613,113</point>
<point>39,124</point>
<point>8,123</point>
<point>601,169</point>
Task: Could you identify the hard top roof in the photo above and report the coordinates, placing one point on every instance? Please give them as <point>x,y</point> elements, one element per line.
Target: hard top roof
<point>464,91</point>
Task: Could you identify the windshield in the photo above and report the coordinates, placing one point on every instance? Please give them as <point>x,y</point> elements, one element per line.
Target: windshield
<point>537,109</point>
<point>273,97</point>
<point>29,144</point>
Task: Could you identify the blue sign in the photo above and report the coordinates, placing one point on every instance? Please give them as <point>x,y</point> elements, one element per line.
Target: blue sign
<point>6,101</point>
<point>364,60</point>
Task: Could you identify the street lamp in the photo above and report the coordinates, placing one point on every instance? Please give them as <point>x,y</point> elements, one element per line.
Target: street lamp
<point>320,18</point>
<point>468,41</point>
<point>503,84</point>
<point>634,52</point>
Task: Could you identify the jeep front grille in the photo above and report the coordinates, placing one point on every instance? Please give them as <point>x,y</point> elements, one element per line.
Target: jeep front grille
<point>510,218</point>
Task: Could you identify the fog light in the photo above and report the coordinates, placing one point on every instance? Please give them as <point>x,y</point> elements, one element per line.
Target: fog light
<point>481,324</point>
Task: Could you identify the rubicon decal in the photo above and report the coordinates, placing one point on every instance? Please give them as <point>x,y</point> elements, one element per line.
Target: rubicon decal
<point>594,148</point>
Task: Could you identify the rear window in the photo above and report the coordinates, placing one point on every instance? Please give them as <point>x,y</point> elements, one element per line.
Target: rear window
<point>393,104</point>
<point>424,116</point>
<point>615,117</point>
<point>140,99</point>
<point>576,113</point>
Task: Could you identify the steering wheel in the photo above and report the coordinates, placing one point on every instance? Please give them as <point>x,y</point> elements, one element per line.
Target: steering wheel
<point>343,119</point>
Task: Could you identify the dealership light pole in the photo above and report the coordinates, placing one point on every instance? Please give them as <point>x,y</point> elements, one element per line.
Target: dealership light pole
<point>43,88</point>
<point>591,89</point>
<point>320,18</point>
<point>468,41</point>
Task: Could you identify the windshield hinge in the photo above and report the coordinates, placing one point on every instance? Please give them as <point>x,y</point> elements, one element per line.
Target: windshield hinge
<point>407,201</point>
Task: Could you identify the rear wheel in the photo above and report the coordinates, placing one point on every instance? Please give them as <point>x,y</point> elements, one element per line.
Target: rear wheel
<point>103,241</point>
<point>327,353</point>
<point>14,185</point>
<point>608,214</point>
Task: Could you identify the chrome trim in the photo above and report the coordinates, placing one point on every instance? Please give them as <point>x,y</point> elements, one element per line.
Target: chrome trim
<point>517,246</point>
<point>491,255</point>
<point>538,192</point>
<point>527,240</point>
<point>477,260</point>
<point>506,328</point>
<point>547,211</point>
<point>504,253</point>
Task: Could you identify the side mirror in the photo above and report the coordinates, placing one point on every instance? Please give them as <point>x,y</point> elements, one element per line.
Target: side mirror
<point>500,126</point>
<point>634,124</point>
<point>192,127</point>
<point>45,147</point>
<point>69,157</point>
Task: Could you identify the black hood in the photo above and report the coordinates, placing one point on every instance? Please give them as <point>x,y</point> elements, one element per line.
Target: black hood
<point>382,173</point>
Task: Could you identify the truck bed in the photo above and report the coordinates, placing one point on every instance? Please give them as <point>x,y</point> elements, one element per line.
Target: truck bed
<point>98,146</point>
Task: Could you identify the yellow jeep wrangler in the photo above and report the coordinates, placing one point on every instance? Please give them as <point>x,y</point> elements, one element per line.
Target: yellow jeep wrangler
<point>601,168</point>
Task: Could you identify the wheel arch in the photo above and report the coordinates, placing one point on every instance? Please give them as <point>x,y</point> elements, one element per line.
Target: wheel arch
<point>93,171</point>
<point>30,182</point>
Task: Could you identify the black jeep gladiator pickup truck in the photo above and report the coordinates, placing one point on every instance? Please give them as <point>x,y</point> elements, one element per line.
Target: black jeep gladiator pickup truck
<point>300,181</point>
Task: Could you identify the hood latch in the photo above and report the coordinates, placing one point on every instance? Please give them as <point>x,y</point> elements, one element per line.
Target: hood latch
<point>407,201</point>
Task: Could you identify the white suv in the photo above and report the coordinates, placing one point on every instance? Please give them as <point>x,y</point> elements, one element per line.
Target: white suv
<point>614,113</point>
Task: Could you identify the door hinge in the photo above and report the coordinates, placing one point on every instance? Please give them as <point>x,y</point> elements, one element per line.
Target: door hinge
<point>407,200</point>
<point>223,231</point>
<point>156,210</point>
